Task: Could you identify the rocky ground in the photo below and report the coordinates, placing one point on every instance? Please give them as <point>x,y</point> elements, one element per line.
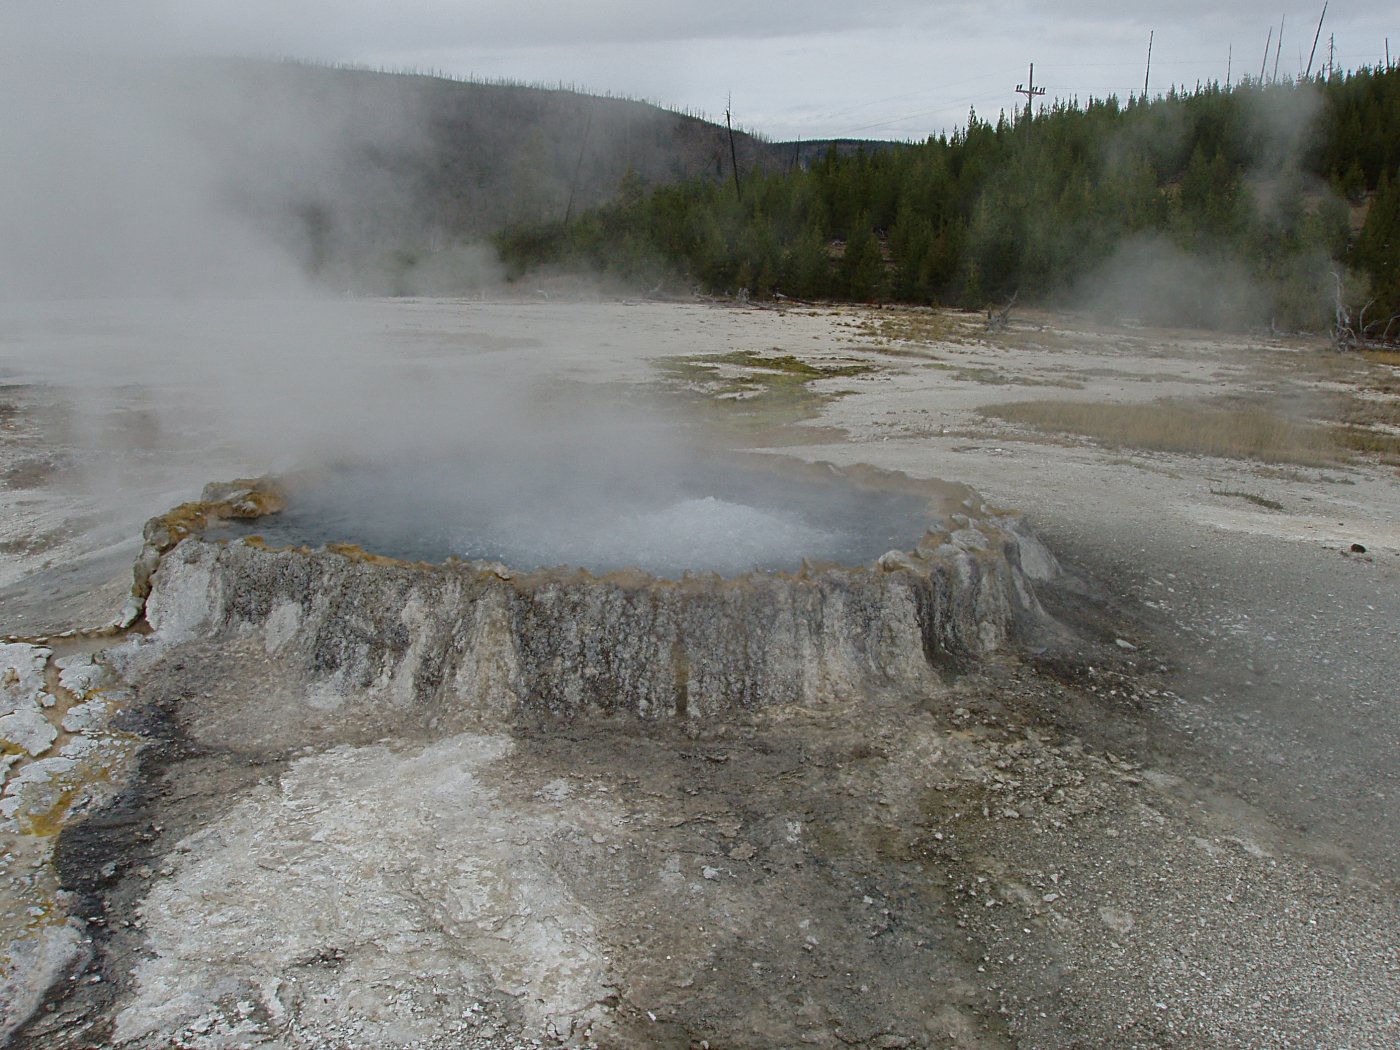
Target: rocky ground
<point>1178,830</point>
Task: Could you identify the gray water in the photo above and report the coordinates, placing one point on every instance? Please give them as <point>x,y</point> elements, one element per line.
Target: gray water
<point>704,517</point>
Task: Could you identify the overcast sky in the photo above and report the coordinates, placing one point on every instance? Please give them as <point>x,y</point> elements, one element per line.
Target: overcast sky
<point>812,69</point>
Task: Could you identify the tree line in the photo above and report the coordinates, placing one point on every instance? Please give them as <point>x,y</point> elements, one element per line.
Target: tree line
<point>1278,186</point>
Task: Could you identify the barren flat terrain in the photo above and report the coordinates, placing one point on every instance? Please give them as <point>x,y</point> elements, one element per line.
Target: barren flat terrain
<point>1174,825</point>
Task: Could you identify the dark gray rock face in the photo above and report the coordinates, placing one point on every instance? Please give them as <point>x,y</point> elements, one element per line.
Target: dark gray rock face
<point>472,642</point>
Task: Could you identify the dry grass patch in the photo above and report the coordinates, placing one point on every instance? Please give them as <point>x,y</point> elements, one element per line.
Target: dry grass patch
<point>1382,357</point>
<point>1178,426</point>
<point>1377,443</point>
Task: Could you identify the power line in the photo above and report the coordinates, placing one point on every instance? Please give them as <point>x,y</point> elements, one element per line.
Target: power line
<point>913,94</point>
<point>960,101</point>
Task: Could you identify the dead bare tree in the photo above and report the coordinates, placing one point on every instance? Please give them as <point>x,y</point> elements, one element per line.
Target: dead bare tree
<point>733,153</point>
<point>997,320</point>
<point>1355,332</point>
<point>578,168</point>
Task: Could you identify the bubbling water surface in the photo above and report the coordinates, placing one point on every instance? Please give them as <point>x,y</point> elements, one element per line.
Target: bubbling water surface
<point>702,517</point>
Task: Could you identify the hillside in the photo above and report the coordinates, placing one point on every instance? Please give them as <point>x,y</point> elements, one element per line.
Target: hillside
<point>368,176</point>
<point>144,176</point>
<point>375,181</point>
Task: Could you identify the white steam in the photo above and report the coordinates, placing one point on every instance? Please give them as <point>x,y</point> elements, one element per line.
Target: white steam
<point>1155,279</point>
<point>179,233</point>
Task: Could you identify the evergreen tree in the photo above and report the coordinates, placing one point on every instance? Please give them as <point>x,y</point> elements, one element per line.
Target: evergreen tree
<point>1377,252</point>
<point>862,269</point>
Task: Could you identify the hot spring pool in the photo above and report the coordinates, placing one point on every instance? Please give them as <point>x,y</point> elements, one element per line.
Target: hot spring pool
<point>704,518</point>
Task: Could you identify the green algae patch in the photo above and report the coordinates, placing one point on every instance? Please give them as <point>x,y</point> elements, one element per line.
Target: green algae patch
<point>751,393</point>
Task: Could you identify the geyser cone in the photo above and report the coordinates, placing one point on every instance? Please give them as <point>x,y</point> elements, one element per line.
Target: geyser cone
<point>738,583</point>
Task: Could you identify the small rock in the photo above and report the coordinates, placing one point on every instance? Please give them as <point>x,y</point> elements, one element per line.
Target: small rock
<point>1116,919</point>
<point>1123,643</point>
<point>743,851</point>
<point>709,872</point>
<point>1357,548</point>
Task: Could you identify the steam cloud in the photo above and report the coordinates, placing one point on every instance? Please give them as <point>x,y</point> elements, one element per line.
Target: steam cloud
<point>1155,280</point>
<point>179,235</point>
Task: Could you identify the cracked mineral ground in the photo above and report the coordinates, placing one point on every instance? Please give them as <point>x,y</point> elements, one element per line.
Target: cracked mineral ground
<point>1169,823</point>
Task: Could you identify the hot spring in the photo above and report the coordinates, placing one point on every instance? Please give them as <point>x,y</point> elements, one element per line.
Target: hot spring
<point>468,592</point>
<point>705,517</point>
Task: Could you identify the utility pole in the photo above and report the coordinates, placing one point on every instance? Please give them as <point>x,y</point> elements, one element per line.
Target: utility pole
<point>1032,93</point>
<point>1229,66</point>
<point>1148,76</point>
<point>1281,23</point>
<point>1265,64</point>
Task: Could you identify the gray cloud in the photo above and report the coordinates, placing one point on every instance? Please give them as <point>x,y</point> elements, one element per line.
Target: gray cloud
<point>352,24</point>
<point>883,68</point>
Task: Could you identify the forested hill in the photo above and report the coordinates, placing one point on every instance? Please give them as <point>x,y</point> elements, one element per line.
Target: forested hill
<point>1217,207</point>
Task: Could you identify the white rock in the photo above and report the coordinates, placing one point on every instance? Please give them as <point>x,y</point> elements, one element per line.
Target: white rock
<point>28,730</point>
<point>21,676</point>
<point>39,773</point>
<point>33,964</point>
<point>80,675</point>
<point>27,661</point>
<point>970,539</point>
<point>1036,560</point>
<point>84,718</point>
<point>33,790</point>
<point>79,748</point>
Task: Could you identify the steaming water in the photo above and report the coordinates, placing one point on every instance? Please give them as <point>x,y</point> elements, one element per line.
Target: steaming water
<point>701,518</point>
<point>708,533</point>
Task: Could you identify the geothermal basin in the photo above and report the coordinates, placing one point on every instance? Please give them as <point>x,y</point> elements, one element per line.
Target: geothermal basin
<point>463,595</point>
